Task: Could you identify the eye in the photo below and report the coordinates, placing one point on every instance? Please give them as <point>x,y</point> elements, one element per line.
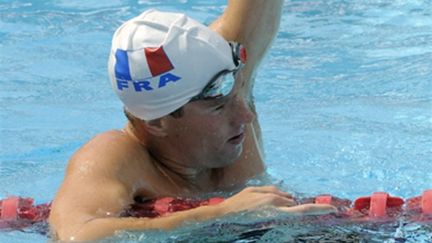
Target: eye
<point>219,107</point>
<point>220,103</point>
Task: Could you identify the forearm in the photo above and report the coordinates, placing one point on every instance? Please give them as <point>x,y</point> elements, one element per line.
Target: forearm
<point>104,227</point>
<point>245,20</point>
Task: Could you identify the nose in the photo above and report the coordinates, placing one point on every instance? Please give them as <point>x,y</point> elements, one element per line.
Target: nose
<point>241,112</point>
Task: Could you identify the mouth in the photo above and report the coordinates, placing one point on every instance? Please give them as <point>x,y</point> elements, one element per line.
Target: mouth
<point>238,139</point>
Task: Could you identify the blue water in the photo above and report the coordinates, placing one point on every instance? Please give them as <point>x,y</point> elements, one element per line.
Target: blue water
<point>344,99</point>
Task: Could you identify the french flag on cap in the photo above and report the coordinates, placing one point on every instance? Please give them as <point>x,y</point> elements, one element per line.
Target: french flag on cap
<point>141,64</point>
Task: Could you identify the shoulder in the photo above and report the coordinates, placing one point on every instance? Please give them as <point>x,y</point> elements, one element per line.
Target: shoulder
<point>109,152</point>
<point>112,142</point>
<point>111,139</point>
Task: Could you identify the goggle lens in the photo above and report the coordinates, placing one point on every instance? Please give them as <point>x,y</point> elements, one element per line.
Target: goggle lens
<point>221,86</point>
<point>223,82</point>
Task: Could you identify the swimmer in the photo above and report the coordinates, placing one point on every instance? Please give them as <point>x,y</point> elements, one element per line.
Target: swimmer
<point>191,130</point>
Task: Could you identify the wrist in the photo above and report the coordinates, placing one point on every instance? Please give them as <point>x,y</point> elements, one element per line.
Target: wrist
<point>219,209</point>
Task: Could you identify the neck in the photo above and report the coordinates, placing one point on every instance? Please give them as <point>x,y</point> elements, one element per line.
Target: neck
<point>185,177</point>
<point>183,172</point>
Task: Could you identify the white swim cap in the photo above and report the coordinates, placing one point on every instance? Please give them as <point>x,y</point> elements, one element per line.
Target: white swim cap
<point>160,60</point>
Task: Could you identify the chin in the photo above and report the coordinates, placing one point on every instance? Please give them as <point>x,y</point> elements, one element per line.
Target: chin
<point>230,157</point>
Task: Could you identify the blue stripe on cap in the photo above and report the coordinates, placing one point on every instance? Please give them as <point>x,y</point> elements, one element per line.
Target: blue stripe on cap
<point>122,65</point>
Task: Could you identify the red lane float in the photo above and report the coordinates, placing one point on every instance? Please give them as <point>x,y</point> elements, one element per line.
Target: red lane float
<point>163,206</point>
<point>420,208</point>
<point>18,213</point>
<point>379,206</point>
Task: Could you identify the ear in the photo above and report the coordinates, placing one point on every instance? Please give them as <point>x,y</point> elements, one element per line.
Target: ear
<point>156,127</point>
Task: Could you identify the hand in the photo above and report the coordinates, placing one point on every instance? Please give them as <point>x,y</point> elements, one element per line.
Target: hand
<point>253,198</point>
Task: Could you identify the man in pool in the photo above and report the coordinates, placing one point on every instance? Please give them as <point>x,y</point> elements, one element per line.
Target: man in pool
<point>191,128</point>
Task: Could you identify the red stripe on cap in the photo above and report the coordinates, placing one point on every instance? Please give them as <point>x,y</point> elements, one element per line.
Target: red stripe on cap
<point>157,60</point>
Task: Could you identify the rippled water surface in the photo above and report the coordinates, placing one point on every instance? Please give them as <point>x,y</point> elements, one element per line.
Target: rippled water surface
<point>344,97</point>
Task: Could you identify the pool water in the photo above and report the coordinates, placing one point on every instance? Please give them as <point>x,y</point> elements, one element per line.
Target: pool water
<point>344,99</point>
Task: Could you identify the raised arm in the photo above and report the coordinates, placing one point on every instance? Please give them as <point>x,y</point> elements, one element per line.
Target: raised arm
<point>254,23</point>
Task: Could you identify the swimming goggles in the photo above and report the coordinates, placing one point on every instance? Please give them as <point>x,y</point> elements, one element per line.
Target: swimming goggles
<point>223,82</point>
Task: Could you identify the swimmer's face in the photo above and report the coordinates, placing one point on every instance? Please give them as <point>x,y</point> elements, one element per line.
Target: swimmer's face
<point>211,132</point>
